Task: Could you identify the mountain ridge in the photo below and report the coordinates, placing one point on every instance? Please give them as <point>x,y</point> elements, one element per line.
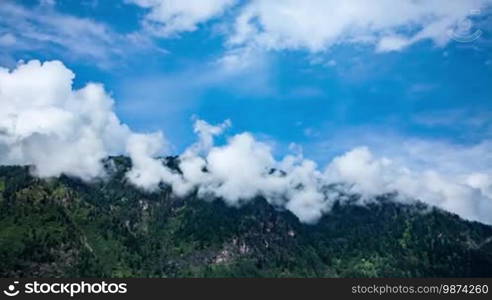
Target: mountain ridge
<point>64,227</point>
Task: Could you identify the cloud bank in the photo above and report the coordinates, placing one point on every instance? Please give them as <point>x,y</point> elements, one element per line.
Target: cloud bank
<point>48,125</point>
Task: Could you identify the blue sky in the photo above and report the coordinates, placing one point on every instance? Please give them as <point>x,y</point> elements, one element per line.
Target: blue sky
<point>291,94</point>
<point>378,96</point>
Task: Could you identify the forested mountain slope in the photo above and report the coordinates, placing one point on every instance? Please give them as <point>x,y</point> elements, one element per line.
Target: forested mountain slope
<point>65,227</point>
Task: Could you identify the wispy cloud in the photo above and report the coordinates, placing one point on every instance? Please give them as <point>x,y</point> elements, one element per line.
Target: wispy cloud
<point>168,18</point>
<point>42,28</point>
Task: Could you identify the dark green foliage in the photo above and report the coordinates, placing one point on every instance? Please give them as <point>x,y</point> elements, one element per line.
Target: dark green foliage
<point>65,227</point>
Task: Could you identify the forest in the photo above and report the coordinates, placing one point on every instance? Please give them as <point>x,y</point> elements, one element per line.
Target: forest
<point>64,227</point>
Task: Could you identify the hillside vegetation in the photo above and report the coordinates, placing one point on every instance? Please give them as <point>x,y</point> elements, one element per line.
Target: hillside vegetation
<point>67,228</point>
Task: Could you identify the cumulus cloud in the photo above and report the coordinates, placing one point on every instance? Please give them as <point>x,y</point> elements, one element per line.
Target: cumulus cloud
<point>45,123</point>
<point>56,129</point>
<point>452,182</point>
<point>238,172</point>
<point>316,25</point>
<point>148,171</point>
<point>206,134</point>
<point>245,168</point>
<point>171,17</point>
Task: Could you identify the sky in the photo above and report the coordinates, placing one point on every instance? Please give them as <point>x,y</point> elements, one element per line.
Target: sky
<point>334,83</point>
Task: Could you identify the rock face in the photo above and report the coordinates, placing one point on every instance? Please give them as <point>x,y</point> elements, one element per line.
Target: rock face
<point>67,228</point>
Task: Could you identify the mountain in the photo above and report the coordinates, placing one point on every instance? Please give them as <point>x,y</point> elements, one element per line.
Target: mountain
<point>64,227</point>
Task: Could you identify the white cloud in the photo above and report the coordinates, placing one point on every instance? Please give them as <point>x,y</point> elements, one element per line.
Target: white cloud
<point>245,168</point>
<point>316,25</point>
<point>392,43</point>
<point>205,133</point>
<point>171,17</point>
<point>237,172</point>
<point>42,28</point>
<point>454,178</point>
<point>148,171</point>
<point>242,60</point>
<point>57,130</point>
<point>238,169</point>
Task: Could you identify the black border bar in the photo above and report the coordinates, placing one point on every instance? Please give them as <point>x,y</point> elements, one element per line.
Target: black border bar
<point>330,288</point>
